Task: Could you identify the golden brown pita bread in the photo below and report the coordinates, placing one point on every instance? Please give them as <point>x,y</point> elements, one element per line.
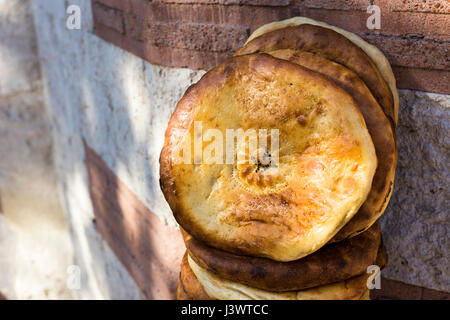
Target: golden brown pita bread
<point>379,127</point>
<point>270,213</point>
<point>373,52</point>
<point>331,45</point>
<point>332,263</point>
<point>366,295</point>
<point>189,288</point>
<point>351,289</point>
<point>181,293</point>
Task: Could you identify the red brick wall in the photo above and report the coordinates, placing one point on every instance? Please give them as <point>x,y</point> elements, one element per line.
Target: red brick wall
<point>149,250</point>
<point>396,290</point>
<point>199,34</point>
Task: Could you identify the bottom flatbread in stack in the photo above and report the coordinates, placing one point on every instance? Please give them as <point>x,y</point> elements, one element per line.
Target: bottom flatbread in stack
<point>197,283</point>
<point>332,263</point>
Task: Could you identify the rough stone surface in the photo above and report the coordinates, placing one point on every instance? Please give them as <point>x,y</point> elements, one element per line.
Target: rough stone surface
<point>416,226</point>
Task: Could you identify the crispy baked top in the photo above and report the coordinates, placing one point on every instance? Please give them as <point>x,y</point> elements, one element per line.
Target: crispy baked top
<point>284,210</point>
<point>379,127</point>
<point>331,45</point>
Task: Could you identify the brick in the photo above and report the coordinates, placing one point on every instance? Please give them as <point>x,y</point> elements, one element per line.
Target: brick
<point>135,27</point>
<point>275,3</point>
<point>215,38</point>
<point>437,27</point>
<point>412,52</point>
<point>353,21</point>
<point>337,4</point>
<point>216,14</point>
<point>109,17</point>
<point>432,27</point>
<point>109,35</point>
<point>429,294</point>
<point>352,16</point>
<point>184,58</point>
<point>262,15</point>
<point>400,23</point>
<point>123,5</point>
<point>135,47</point>
<point>426,6</point>
<point>149,250</point>
<point>140,7</point>
<point>437,81</point>
<point>396,290</point>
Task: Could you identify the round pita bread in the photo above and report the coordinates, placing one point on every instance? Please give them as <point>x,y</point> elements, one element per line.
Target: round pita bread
<point>268,211</point>
<point>379,127</point>
<point>221,289</point>
<point>372,51</point>
<point>194,292</point>
<point>366,295</point>
<point>189,288</point>
<point>332,263</point>
<point>181,293</point>
<point>331,45</point>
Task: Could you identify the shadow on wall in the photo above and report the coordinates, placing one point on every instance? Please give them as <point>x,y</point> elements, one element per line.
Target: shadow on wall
<point>107,127</point>
<point>125,124</point>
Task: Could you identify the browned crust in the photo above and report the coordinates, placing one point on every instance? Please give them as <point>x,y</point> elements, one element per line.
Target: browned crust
<point>179,121</point>
<point>356,286</point>
<point>190,287</point>
<point>331,263</point>
<point>379,127</point>
<point>382,256</point>
<point>182,119</point>
<point>331,45</point>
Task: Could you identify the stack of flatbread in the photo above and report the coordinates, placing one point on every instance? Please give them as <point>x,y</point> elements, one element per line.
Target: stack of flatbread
<point>296,217</point>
